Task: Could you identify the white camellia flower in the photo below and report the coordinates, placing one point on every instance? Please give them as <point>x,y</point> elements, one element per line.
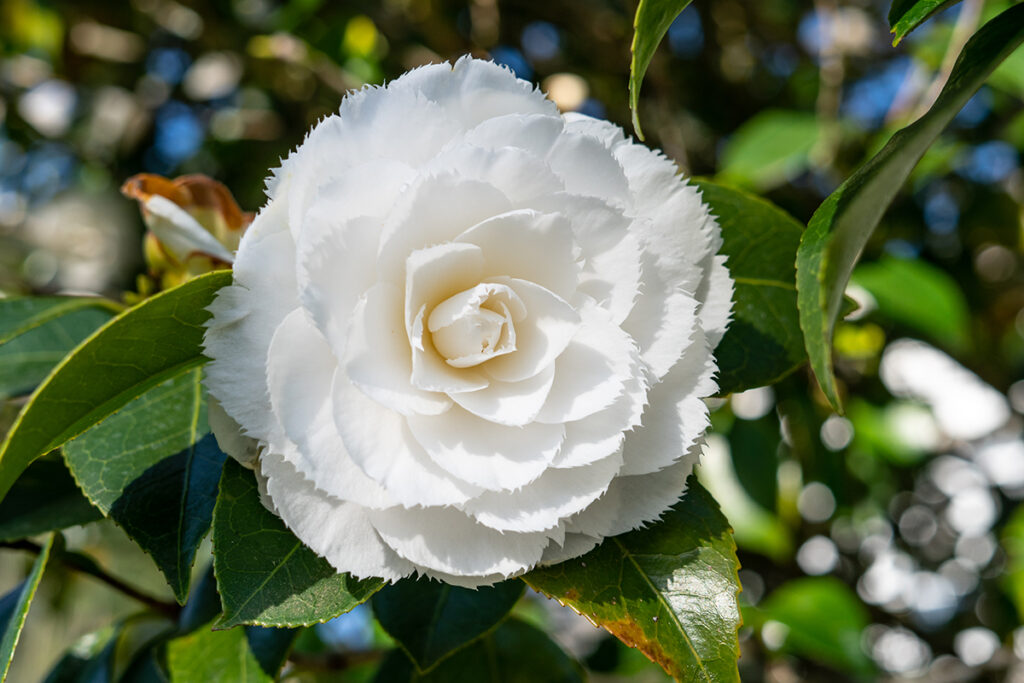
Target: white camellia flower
<point>468,334</point>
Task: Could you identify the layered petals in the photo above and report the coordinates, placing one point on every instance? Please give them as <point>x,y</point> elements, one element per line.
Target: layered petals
<point>468,335</point>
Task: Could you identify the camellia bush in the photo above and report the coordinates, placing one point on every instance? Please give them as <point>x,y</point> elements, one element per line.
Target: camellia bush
<point>465,350</point>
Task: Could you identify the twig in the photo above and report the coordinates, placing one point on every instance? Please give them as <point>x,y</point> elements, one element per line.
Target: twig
<point>86,565</point>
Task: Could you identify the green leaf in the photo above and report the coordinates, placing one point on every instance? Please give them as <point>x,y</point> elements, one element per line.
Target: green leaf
<point>36,334</point>
<point>769,149</point>
<point>763,343</point>
<point>843,223</point>
<point>906,15</point>
<point>45,498</point>
<point>653,17</point>
<point>14,608</point>
<point>150,467</point>
<point>920,296</point>
<point>139,349</point>
<point>668,590</point>
<point>225,656</point>
<point>824,621</point>
<point>430,620</point>
<point>265,576</point>
<point>19,315</point>
<point>754,445</point>
<point>515,653</point>
<point>203,603</point>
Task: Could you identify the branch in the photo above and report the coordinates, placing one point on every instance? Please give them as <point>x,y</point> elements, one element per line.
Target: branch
<point>86,565</point>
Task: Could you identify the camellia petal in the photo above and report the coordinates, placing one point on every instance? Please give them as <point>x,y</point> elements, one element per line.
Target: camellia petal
<point>378,357</point>
<point>676,416</point>
<point>299,380</point>
<point>592,371</point>
<point>529,246</point>
<point>541,336</point>
<point>379,442</point>
<point>337,530</point>
<point>509,403</point>
<point>437,538</point>
<point>463,444</point>
<point>542,504</point>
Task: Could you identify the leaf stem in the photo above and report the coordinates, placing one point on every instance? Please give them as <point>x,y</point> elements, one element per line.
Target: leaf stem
<point>86,565</point>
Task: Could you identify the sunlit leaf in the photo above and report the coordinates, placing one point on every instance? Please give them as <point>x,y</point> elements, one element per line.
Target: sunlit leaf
<point>150,468</point>
<point>14,608</point>
<point>37,332</point>
<point>653,18</point>
<point>906,15</point>
<point>159,339</point>
<point>769,149</point>
<point>920,296</point>
<point>668,590</point>
<point>842,225</point>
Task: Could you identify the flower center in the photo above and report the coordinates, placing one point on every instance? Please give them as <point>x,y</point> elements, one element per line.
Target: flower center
<point>476,324</point>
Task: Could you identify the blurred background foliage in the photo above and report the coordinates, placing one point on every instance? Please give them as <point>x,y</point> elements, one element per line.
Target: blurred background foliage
<point>884,544</point>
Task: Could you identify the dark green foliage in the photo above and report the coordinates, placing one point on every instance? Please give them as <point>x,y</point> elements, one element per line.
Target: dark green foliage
<point>515,653</point>
<point>265,576</point>
<point>763,342</point>
<point>157,340</point>
<point>430,620</point>
<point>150,467</point>
<point>44,498</point>
<point>14,608</point>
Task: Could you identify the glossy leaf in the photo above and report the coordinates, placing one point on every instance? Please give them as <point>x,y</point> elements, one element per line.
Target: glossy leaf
<point>45,498</point>
<point>906,15</point>
<point>139,349</point>
<point>430,620</point>
<point>19,315</point>
<point>763,343</point>
<point>265,576</point>
<point>515,653</point>
<point>842,225</point>
<point>14,608</point>
<point>36,333</point>
<point>150,468</point>
<point>769,149</point>
<point>920,296</point>
<point>653,17</point>
<point>824,619</point>
<point>217,657</point>
<point>668,590</point>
